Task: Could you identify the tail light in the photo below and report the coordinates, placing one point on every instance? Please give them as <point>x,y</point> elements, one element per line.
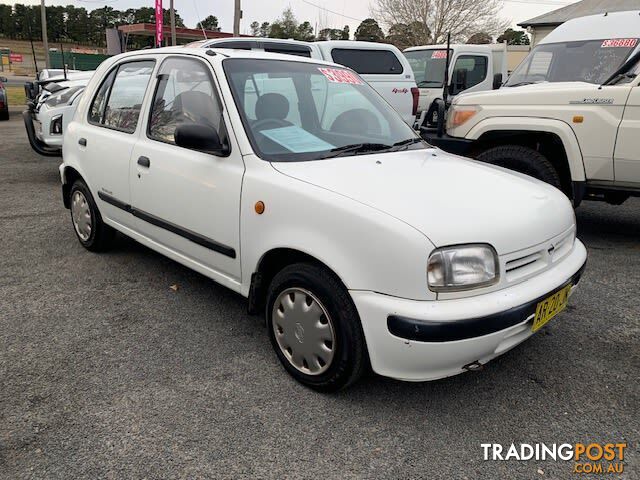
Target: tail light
<point>415,92</point>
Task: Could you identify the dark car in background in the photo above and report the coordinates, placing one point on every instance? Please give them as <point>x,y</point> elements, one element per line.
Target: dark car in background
<point>4,100</point>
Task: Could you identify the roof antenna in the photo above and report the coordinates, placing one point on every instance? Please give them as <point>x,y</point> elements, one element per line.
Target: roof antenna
<point>199,23</point>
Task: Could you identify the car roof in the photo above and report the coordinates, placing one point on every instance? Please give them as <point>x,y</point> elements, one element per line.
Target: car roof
<point>222,53</point>
<point>597,27</point>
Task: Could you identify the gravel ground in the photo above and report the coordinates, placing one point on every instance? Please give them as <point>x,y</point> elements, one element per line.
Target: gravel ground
<point>106,372</point>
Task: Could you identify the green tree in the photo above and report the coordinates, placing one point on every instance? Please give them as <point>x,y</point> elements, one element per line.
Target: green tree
<point>287,26</point>
<point>369,31</point>
<point>480,38</point>
<point>210,23</point>
<point>7,26</point>
<point>514,37</point>
<point>255,29</point>
<point>402,35</point>
<point>345,33</point>
<point>265,29</point>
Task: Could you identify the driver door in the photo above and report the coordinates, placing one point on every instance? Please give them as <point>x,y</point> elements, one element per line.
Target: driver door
<point>186,200</point>
<point>627,150</point>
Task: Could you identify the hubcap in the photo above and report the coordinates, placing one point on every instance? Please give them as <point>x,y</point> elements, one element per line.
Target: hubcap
<point>304,331</point>
<point>81,215</point>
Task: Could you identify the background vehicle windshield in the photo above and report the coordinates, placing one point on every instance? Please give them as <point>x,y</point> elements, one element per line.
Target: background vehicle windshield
<point>294,111</point>
<point>591,61</point>
<point>428,67</point>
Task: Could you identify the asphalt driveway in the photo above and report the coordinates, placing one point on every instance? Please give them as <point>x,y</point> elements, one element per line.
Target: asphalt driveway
<point>106,371</point>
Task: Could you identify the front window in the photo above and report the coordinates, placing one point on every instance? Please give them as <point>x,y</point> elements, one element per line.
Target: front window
<point>428,66</point>
<point>591,61</point>
<point>294,111</point>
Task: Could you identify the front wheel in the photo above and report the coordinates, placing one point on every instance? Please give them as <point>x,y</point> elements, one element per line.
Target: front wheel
<point>524,160</point>
<point>314,328</point>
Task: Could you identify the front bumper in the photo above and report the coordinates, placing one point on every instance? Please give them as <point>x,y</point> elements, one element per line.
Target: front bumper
<point>38,145</point>
<point>457,146</point>
<point>426,340</point>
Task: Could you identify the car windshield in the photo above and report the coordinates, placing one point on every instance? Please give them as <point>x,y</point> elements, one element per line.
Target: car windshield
<point>591,61</point>
<point>428,66</point>
<point>295,111</point>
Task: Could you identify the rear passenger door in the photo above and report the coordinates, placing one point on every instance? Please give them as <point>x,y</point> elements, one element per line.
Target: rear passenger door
<point>186,200</point>
<point>108,136</point>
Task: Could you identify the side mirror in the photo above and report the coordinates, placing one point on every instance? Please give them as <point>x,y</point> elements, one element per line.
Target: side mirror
<point>497,81</point>
<point>459,81</point>
<point>197,136</point>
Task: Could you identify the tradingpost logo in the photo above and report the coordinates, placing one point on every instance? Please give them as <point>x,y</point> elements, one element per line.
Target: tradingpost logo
<point>600,458</point>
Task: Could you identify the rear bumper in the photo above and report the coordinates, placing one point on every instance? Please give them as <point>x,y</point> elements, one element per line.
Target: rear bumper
<point>38,145</point>
<point>426,340</point>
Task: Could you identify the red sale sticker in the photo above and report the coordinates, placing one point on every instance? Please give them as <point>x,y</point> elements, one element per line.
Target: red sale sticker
<point>439,54</point>
<point>620,42</point>
<point>337,75</point>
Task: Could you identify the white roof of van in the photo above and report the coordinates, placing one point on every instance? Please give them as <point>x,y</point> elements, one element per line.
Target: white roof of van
<point>597,27</point>
<point>468,47</point>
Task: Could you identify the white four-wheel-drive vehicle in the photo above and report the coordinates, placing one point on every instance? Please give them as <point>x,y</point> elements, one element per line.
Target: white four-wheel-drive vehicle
<point>472,68</point>
<point>569,114</point>
<point>361,244</point>
<point>50,110</point>
<point>382,65</point>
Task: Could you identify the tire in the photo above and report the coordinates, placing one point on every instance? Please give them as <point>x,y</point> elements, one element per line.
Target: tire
<point>97,237</point>
<point>432,116</point>
<point>524,160</point>
<point>331,314</point>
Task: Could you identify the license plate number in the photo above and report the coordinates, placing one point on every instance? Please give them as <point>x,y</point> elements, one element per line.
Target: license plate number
<point>550,307</point>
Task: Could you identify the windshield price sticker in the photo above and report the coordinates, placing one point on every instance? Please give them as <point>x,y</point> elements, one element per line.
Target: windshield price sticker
<point>620,42</point>
<point>337,75</point>
<point>439,54</point>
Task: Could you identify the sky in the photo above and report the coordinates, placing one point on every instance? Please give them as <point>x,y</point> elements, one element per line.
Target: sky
<point>320,13</point>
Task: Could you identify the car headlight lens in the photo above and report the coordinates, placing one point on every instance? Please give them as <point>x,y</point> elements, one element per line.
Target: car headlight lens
<point>462,268</point>
<point>460,114</point>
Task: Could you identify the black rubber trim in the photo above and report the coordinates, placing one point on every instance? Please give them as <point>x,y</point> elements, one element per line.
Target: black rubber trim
<point>426,331</point>
<point>171,227</point>
<point>39,147</point>
<point>457,146</point>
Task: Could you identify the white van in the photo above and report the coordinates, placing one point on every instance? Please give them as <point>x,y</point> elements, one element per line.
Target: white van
<point>472,68</point>
<point>382,66</point>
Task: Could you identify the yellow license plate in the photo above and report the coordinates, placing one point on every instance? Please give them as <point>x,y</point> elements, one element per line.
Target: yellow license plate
<point>550,307</point>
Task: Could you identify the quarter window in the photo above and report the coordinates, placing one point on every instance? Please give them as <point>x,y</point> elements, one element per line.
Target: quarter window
<point>119,99</point>
<point>185,94</point>
<point>368,61</point>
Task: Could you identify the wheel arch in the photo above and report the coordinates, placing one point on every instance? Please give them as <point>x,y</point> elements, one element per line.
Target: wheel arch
<point>555,139</point>
<point>269,264</point>
<point>69,176</point>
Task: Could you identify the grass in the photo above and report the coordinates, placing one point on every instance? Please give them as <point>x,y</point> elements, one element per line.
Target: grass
<point>16,95</point>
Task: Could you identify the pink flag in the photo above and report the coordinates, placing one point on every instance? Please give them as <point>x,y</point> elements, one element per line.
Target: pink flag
<point>158,23</point>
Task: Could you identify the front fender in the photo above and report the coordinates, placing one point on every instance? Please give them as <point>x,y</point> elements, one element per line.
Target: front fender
<point>367,249</point>
<point>547,125</point>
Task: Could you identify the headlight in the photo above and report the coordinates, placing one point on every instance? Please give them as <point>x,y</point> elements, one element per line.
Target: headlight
<point>459,114</point>
<point>462,267</point>
<point>63,97</point>
<point>56,125</point>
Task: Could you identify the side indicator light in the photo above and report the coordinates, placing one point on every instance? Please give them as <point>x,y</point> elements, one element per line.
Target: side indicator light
<point>578,119</point>
<point>259,207</point>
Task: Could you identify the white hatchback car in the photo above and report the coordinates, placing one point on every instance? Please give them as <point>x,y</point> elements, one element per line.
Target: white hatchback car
<point>292,182</point>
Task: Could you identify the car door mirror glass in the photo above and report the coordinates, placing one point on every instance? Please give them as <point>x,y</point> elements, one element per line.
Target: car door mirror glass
<point>201,137</point>
<point>497,81</point>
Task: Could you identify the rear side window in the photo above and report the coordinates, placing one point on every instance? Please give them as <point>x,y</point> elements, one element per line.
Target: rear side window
<point>368,61</point>
<point>184,94</point>
<point>118,102</point>
<point>236,45</point>
<point>288,49</point>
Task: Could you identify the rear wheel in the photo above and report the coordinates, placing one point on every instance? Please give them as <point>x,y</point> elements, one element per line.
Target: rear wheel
<point>524,160</point>
<point>93,234</point>
<point>314,328</point>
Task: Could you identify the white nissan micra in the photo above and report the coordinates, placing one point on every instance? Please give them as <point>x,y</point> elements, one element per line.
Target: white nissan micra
<point>292,182</point>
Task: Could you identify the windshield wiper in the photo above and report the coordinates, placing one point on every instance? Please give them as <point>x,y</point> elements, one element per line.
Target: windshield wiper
<point>622,76</point>
<point>404,144</point>
<point>358,148</point>
<point>424,83</point>
<point>519,84</point>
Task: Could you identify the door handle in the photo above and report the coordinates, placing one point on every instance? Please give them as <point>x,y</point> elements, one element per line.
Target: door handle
<point>144,162</point>
<point>83,142</point>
